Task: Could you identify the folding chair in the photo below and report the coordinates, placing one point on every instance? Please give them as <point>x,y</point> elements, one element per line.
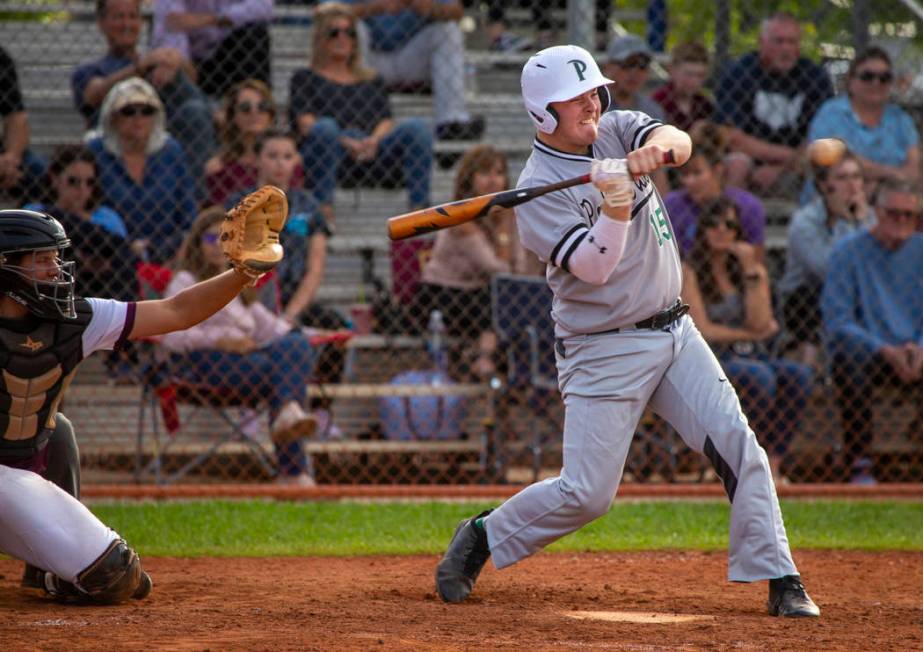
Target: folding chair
<point>521,315</point>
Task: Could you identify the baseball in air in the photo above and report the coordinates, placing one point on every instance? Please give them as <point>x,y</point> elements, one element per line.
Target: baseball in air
<point>826,151</point>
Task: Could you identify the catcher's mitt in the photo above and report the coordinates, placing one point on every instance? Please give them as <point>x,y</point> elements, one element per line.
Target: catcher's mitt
<point>250,231</point>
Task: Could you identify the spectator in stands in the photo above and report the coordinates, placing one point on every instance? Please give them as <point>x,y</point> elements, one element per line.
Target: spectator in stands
<point>681,98</point>
<point>872,307</point>
<point>228,40</point>
<point>703,181</point>
<point>342,113</point>
<point>143,172</point>
<point>20,169</point>
<point>249,110</point>
<point>245,347</point>
<point>456,278</point>
<point>301,272</point>
<point>172,74</point>
<point>421,41</point>
<point>729,296</point>
<point>628,60</point>
<point>877,130</point>
<point>840,208</point>
<point>105,259</point>
<point>769,97</point>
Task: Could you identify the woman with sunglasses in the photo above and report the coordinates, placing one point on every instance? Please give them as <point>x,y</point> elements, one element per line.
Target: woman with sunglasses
<point>248,112</point>
<point>341,111</point>
<point>246,347</point>
<point>881,134</point>
<point>727,289</point>
<point>105,259</point>
<point>143,171</point>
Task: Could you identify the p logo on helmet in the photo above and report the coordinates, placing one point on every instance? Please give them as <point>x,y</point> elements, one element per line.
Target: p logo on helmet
<point>557,74</point>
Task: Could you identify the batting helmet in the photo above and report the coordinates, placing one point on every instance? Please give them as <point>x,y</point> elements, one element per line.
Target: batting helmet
<point>556,74</point>
<point>28,232</point>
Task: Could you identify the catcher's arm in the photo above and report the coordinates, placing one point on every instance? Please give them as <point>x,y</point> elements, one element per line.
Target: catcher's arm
<point>250,240</point>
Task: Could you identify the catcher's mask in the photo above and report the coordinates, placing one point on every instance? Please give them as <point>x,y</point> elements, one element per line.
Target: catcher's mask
<point>31,270</point>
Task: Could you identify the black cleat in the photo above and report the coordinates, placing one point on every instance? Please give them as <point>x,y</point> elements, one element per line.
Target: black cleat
<point>787,597</point>
<point>64,591</point>
<point>33,578</point>
<point>462,563</point>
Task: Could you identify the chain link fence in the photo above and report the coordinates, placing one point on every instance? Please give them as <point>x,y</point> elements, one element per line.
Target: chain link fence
<point>431,360</point>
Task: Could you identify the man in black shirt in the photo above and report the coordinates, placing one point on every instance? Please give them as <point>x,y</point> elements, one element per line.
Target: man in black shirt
<point>19,168</point>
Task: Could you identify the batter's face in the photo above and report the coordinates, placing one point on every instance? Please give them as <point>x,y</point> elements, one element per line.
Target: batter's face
<point>277,162</point>
<point>578,123</point>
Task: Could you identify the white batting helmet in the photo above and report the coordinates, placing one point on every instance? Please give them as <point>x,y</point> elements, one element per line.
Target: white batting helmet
<point>556,74</point>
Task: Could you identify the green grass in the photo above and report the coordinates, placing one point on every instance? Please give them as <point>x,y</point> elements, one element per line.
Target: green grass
<point>268,528</point>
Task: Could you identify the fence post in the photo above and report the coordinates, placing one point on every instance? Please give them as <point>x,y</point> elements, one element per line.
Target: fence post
<point>860,24</point>
<point>581,24</point>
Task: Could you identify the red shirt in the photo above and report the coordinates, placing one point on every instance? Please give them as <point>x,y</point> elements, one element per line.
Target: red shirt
<point>702,107</point>
<point>235,177</point>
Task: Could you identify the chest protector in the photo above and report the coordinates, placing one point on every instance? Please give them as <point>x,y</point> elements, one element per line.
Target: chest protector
<point>38,359</point>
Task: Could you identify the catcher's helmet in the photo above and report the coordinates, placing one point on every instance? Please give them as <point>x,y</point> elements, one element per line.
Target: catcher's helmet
<point>27,232</point>
<point>556,74</point>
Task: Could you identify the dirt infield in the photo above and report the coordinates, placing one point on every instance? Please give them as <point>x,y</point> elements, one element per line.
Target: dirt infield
<point>870,601</point>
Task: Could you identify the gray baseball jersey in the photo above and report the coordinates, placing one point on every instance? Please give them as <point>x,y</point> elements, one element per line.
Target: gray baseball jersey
<point>647,279</point>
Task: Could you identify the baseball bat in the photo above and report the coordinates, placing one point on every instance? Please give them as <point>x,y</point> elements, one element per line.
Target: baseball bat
<point>450,214</point>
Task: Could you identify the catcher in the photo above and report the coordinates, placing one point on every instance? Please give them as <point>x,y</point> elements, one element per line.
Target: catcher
<point>45,331</point>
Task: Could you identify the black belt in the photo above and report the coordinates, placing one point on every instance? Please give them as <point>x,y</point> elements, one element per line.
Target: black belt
<point>661,320</point>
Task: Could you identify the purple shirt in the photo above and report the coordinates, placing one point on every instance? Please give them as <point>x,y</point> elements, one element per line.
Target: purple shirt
<point>684,214</point>
<point>200,43</point>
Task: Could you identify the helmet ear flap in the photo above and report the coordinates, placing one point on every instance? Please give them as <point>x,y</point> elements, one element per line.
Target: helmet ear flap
<point>554,117</point>
<point>604,98</point>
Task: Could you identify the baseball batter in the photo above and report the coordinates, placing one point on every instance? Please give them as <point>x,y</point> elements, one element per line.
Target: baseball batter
<point>623,339</point>
<point>45,331</point>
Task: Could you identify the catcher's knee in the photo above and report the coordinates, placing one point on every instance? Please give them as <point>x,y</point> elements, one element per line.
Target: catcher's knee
<point>115,576</point>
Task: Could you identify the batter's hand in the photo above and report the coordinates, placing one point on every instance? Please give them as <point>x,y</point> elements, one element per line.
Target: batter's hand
<point>645,160</point>
<point>611,177</point>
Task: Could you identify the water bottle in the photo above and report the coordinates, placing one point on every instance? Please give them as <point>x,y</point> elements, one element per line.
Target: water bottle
<point>436,344</point>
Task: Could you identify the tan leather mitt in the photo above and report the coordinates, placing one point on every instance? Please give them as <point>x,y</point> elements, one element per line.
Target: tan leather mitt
<point>250,231</point>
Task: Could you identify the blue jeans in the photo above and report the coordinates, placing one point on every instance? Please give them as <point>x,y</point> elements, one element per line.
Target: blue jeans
<point>275,374</point>
<point>773,393</point>
<point>409,145</point>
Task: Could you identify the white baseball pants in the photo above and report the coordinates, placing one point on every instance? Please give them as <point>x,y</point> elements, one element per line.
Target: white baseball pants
<point>606,382</point>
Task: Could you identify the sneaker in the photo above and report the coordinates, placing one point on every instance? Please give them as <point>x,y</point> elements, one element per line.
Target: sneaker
<point>463,561</point>
<point>510,42</point>
<point>473,129</point>
<point>291,424</point>
<point>300,480</point>
<point>787,597</point>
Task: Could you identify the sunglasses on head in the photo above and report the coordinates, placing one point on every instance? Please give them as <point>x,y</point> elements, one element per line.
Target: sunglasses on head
<point>898,214</point>
<point>210,238</point>
<point>132,110</point>
<point>334,32</point>
<point>728,222</point>
<point>882,77</point>
<point>76,182</point>
<point>263,106</point>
